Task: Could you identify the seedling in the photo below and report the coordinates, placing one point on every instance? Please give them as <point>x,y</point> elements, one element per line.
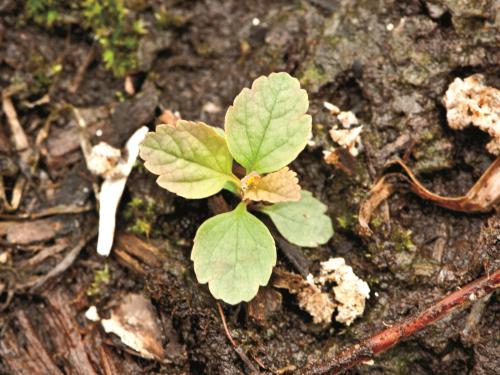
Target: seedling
<point>265,129</point>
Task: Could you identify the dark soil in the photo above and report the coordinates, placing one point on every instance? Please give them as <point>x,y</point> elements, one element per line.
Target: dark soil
<point>390,62</point>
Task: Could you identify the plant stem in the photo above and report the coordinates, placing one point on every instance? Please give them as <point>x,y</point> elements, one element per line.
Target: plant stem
<point>381,341</point>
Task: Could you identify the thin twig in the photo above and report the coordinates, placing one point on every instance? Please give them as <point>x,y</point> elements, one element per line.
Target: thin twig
<point>235,346</point>
<point>49,211</point>
<point>22,147</point>
<point>80,73</point>
<point>369,347</point>
<point>62,266</point>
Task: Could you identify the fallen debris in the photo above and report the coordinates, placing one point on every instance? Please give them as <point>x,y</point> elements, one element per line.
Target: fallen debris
<point>134,321</point>
<point>36,282</point>
<point>22,146</point>
<point>347,292</point>
<point>267,302</point>
<point>33,231</point>
<point>252,369</point>
<point>366,350</point>
<point>484,196</point>
<point>311,299</point>
<point>26,348</point>
<point>470,101</point>
<point>348,138</point>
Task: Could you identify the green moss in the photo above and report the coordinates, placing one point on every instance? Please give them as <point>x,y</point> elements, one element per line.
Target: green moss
<point>141,227</point>
<point>376,222</point>
<point>347,221</point>
<point>401,239</point>
<point>100,277</point>
<point>116,31</point>
<point>140,215</point>
<point>166,19</point>
<point>43,12</point>
<point>313,76</point>
<point>43,73</point>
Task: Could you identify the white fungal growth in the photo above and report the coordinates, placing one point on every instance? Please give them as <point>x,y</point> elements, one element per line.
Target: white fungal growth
<point>103,159</point>
<point>347,119</point>
<point>345,135</point>
<point>335,288</point>
<point>334,110</point>
<point>92,314</point>
<point>350,293</point>
<point>348,138</point>
<point>470,101</point>
<point>112,190</point>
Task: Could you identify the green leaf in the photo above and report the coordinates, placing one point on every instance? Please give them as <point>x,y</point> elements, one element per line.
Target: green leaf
<point>267,126</point>
<point>191,158</point>
<point>303,223</point>
<point>235,253</point>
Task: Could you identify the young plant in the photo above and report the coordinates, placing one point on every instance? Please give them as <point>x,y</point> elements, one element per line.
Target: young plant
<point>265,129</point>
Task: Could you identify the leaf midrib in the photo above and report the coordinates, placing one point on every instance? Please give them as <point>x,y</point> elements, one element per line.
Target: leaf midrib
<point>178,158</point>
<point>266,127</point>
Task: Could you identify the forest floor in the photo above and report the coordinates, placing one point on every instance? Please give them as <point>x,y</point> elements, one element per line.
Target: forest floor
<point>389,62</point>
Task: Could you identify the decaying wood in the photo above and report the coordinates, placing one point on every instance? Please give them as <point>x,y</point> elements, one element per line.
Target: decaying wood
<point>140,249</point>
<point>137,254</point>
<point>33,231</point>
<point>37,282</point>
<point>46,252</point>
<point>49,211</point>
<point>30,358</point>
<point>26,348</point>
<point>368,348</point>
<point>71,342</point>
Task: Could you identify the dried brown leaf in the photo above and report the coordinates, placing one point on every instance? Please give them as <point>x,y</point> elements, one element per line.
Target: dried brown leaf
<point>484,196</point>
<point>342,159</point>
<point>280,186</point>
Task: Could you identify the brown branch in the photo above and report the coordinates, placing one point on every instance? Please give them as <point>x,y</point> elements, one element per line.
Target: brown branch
<point>82,68</point>
<point>368,348</point>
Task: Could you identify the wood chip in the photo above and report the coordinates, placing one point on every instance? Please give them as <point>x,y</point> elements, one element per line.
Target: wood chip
<point>136,323</point>
<point>33,231</point>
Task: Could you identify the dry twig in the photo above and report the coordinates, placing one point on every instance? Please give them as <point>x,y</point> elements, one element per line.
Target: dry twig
<point>381,341</point>
<point>237,349</point>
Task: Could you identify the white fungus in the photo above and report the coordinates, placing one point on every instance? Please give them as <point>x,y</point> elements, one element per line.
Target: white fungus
<point>470,101</point>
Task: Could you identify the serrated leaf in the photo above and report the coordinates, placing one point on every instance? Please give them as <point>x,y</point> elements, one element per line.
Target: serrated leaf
<point>267,125</point>
<point>281,186</point>
<point>235,253</point>
<point>303,223</point>
<point>191,158</point>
